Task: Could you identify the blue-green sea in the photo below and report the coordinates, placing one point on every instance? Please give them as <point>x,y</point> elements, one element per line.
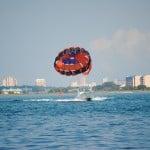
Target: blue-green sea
<point>111,121</point>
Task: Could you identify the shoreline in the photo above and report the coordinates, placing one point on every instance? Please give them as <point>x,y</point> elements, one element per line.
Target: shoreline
<point>73,94</point>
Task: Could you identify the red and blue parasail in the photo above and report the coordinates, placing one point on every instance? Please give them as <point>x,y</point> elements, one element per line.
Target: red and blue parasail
<point>73,61</point>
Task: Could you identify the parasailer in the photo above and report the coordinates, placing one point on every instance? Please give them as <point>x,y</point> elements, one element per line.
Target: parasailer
<point>73,61</point>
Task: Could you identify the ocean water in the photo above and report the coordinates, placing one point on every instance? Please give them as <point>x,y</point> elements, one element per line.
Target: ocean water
<point>111,121</point>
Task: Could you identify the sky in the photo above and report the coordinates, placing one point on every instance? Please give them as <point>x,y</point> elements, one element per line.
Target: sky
<point>33,32</point>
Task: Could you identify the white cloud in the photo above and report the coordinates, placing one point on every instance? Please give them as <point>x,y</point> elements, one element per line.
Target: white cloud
<point>123,40</point>
<point>126,52</point>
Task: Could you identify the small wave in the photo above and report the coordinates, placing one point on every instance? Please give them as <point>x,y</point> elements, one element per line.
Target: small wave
<point>100,98</point>
<point>54,100</point>
<point>38,100</point>
<point>69,100</point>
<point>127,92</point>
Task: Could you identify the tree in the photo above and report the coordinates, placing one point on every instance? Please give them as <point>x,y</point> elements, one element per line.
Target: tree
<point>110,86</point>
<point>141,87</point>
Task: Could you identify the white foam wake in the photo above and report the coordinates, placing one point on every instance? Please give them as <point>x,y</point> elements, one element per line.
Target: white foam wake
<point>69,100</point>
<point>77,99</point>
<point>100,98</point>
<point>38,100</point>
<point>66,99</point>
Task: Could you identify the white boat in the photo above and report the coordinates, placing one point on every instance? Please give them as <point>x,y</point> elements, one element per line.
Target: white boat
<point>85,94</point>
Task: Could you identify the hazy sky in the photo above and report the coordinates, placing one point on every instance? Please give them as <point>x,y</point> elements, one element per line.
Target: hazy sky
<point>115,32</point>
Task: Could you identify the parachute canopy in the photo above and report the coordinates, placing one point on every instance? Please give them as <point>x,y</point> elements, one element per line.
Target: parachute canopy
<point>73,61</point>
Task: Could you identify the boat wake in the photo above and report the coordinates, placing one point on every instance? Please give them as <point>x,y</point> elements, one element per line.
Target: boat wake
<point>38,100</point>
<point>100,98</point>
<point>66,99</point>
<point>81,100</point>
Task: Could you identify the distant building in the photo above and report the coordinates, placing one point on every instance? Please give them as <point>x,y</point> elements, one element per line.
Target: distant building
<point>121,83</point>
<point>82,82</point>
<point>129,81</point>
<point>92,84</point>
<point>145,80</point>
<point>40,82</point>
<point>74,84</point>
<point>136,81</point>
<point>104,80</point>
<point>133,81</point>
<point>11,91</point>
<point>9,81</point>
